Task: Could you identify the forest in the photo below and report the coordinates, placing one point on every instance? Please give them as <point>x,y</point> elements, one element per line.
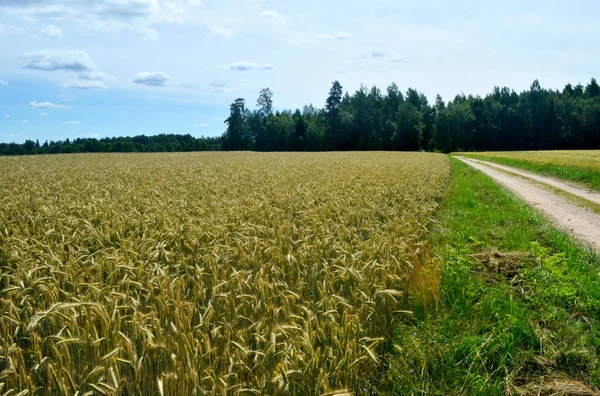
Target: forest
<point>369,119</point>
<point>141,144</point>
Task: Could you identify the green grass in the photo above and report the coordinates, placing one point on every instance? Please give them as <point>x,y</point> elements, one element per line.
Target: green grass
<point>520,303</point>
<point>588,177</point>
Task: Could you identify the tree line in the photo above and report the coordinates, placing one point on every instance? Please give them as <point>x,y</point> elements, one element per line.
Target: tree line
<point>142,144</point>
<point>535,119</point>
<point>370,119</point>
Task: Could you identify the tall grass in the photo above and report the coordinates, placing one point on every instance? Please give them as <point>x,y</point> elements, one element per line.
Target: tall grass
<point>228,273</point>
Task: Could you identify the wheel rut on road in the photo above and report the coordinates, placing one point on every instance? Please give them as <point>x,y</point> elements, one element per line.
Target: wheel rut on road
<point>579,222</point>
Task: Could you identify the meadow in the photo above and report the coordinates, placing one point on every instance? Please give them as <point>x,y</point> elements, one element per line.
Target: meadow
<point>212,273</point>
<point>580,166</point>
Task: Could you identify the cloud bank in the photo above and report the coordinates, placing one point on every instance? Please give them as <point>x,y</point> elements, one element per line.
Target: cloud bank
<point>49,60</point>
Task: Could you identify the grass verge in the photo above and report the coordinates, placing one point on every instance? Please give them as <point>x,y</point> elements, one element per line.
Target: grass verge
<point>520,303</point>
<point>587,177</point>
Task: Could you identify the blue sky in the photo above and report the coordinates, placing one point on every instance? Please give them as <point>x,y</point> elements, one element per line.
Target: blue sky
<point>78,68</point>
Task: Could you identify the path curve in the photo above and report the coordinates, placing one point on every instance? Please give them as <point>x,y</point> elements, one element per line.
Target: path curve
<point>578,221</point>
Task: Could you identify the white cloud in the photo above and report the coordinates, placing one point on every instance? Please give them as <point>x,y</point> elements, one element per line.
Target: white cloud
<point>7,115</point>
<point>136,16</point>
<point>85,74</point>
<point>201,125</point>
<point>44,114</point>
<point>245,66</point>
<point>50,60</point>
<point>25,121</point>
<point>53,31</point>
<point>220,31</point>
<point>151,79</point>
<point>274,17</point>
<point>72,123</point>
<point>88,81</point>
<point>46,105</point>
<point>96,14</point>
<point>3,83</point>
<point>336,36</point>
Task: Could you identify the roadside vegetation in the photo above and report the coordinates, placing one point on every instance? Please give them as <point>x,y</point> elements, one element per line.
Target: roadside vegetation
<point>519,309</point>
<point>580,166</point>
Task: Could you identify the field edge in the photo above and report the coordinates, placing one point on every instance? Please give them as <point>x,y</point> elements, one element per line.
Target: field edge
<point>510,317</point>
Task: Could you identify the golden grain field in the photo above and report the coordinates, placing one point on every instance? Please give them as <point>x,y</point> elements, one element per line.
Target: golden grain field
<point>210,273</point>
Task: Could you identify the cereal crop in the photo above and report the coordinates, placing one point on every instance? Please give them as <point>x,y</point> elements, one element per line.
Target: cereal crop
<point>211,273</point>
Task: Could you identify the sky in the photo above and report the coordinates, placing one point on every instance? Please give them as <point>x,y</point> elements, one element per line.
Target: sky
<point>102,68</point>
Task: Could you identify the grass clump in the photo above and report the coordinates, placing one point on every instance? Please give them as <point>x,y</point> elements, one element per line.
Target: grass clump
<point>519,310</point>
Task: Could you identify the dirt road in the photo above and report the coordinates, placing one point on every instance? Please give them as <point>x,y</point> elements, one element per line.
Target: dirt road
<point>580,222</point>
<point>581,192</point>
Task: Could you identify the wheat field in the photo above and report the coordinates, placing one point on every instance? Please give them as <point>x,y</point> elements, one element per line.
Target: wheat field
<point>211,273</point>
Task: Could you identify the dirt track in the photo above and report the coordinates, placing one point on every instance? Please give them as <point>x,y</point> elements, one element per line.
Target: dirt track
<point>581,192</point>
<point>578,221</point>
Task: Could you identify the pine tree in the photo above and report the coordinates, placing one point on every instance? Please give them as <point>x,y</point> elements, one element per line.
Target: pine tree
<point>234,138</point>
